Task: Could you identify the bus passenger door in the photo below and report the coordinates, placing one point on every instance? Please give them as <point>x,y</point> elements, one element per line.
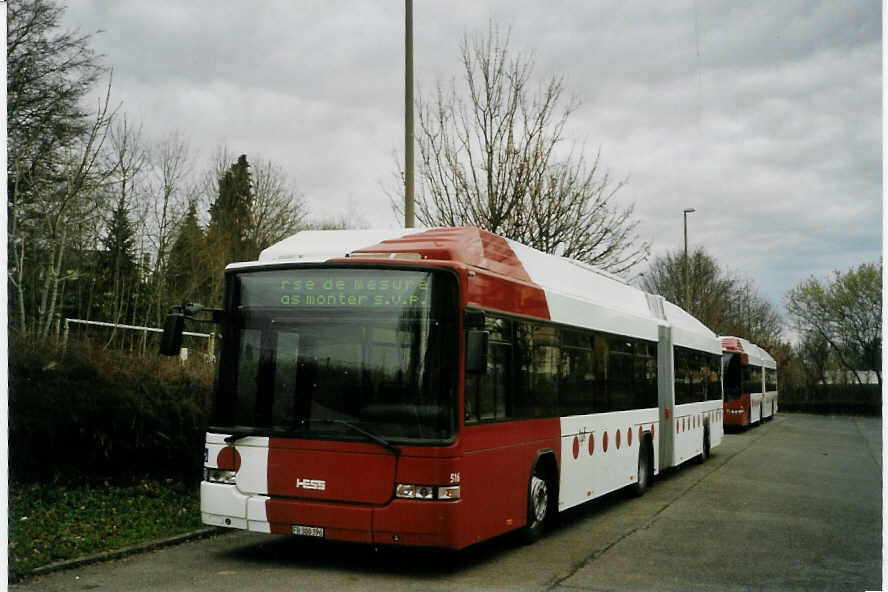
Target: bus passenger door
<point>665,388</point>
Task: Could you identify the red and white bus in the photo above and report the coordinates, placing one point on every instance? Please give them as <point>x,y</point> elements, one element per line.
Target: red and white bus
<point>750,382</point>
<point>442,387</point>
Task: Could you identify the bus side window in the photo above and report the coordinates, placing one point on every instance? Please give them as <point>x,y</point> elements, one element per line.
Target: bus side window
<point>486,394</point>
<point>576,392</point>
<point>620,373</point>
<point>714,390</point>
<point>602,393</point>
<point>645,375</point>
<point>682,376</point>
<point>545,367</point>
<point>699,374</point>
<point>523,361</point>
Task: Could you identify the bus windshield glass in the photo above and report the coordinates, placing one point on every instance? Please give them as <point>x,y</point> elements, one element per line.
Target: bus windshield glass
<point>731,375</point>
<point>312,349</point>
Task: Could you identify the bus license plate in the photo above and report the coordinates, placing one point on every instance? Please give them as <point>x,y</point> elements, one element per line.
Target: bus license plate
<point>311,531</point>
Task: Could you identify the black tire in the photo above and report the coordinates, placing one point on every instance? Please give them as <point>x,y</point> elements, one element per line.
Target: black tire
<point>645,471</point>
<point>707,449</point>
<point>539,503</point>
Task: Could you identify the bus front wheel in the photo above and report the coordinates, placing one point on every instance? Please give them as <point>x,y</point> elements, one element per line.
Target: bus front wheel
<point>537,507</point>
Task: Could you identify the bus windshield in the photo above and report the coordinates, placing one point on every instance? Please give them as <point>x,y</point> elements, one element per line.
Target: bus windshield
<point>311,351</point>
<point>732,375</point>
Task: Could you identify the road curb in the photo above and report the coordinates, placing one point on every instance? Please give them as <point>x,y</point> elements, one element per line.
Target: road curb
<point>201,533</point>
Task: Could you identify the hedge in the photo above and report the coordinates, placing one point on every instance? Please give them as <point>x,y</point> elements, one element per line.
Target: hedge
<point>832,398</point>
<point>87,413</point>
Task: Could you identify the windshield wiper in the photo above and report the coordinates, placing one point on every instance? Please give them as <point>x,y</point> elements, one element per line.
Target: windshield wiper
<point>235,436</point>
<point>354,427</point>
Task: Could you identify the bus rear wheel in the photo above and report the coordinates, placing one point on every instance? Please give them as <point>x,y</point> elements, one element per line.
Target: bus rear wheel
<point>707,449</point>
<point>538,504</point>
<point>643,477</point>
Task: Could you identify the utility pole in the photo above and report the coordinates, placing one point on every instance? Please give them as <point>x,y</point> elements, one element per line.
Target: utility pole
<point>408,114</point>
<point>687,285</point>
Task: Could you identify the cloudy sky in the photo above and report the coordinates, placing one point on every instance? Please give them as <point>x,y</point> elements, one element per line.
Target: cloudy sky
<point>764,116</point>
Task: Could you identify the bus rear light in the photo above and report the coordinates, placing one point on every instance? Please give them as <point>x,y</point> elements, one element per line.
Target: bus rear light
<point>220,476</point>
<point>426,492</point>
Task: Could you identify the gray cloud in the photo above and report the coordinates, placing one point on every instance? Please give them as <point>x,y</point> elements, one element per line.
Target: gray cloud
<point>764,116</point>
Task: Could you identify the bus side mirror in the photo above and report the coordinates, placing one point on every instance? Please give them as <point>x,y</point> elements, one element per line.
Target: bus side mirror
<point>473,319</point>
<point>476,351</point>
<point>171,341</point>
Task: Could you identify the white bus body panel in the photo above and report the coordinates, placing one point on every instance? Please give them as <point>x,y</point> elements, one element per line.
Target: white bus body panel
<point>690,422</point>
<point>770,398</point>
<point>607,447</point>
<point>241,505</point>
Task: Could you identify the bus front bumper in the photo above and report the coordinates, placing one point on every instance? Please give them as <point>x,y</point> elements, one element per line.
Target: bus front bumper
<point>399,522</point>
<point>736,413</point>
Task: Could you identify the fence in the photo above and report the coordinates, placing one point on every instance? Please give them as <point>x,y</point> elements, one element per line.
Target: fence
<point>210,337</point>
<point>855,399</point>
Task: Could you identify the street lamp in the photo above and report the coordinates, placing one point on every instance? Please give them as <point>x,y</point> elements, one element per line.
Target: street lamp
<point>687,286</point>
<point>408,113</point>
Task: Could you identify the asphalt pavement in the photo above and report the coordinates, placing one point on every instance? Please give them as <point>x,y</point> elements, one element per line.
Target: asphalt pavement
<point>794,504</point>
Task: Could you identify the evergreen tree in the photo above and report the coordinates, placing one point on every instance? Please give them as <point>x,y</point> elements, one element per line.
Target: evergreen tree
<point>231,213</point>
<point>229,231</point>
<point>188,271</point>
<point>118,268</point>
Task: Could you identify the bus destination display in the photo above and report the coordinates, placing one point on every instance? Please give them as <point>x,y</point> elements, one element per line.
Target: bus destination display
<point>336,288</point>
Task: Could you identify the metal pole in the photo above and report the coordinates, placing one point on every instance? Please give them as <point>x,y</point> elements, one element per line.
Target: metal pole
<point>408,114</point>
<point>687,285</point>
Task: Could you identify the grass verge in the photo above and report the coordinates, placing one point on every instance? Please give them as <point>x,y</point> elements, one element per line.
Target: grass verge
<point>50,523</point>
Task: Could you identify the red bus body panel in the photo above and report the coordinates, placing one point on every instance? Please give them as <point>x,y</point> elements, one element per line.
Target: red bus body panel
<point>741,403</point>
<point>492,463</point>
<point>350,472</point>
<point>731,417</point>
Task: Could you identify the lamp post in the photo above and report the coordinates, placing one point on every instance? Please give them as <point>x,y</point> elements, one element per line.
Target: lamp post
<point>408,113</point>
<point>687,286</point>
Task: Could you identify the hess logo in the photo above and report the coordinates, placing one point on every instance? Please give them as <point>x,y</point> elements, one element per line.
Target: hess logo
<point>315,484</point>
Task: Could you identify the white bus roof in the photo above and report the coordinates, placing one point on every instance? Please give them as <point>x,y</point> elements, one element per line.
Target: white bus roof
<point>757,355</point>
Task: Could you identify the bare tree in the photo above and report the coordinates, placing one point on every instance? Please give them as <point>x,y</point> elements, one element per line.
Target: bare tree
<point>278,208</point>
<point>495,160</point>
<point>48,74</point>
<point>79,195</point>
<point>50,139</point>
<point>727,304</point>
<point>167,197</point>
<point>127,160</point>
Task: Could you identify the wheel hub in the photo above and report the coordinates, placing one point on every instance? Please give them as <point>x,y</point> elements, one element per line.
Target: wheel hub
<point>540,496</point>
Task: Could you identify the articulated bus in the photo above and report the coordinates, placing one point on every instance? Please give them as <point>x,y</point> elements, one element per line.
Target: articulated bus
<point>750,382</point>
<point>441,387</point>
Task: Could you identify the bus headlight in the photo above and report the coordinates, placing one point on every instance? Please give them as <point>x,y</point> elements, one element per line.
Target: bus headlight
<point>405,491</point>
<point>451,492</point>
<point>220,476</point>
<point>426,492</point>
